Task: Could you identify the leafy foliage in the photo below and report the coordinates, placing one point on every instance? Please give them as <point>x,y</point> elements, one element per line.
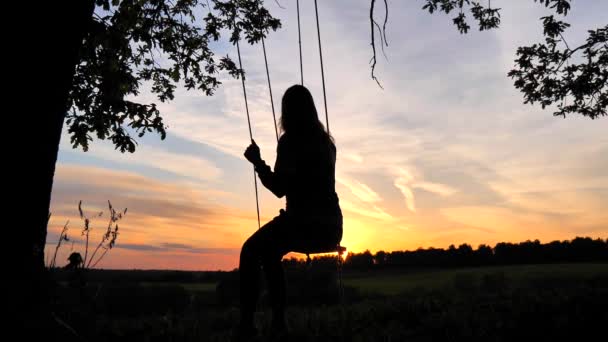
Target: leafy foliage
<point>162,42</point>
<point>486,16</point>
<point>544,72</point>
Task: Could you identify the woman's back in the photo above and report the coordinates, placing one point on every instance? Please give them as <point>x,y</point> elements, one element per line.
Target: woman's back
<point>309,162</point>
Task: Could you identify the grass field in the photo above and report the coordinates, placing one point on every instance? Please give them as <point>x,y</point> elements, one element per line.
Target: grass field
<point>392,283</point>
<point>190,287</point>
<point>396,282</point>
<point>558,302</point>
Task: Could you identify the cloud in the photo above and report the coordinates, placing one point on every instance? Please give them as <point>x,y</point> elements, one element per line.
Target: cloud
<point>406,182</point>
<point>183,165</point>
<point>139,247</point>
<point>436,188</point>
<point>178,247</point>
<point>407,194</point>
<point>366,210</point>
<point>159,213</point>
<point>360,190</point>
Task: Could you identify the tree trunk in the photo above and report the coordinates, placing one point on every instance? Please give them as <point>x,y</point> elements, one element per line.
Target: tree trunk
<point>58,34</point>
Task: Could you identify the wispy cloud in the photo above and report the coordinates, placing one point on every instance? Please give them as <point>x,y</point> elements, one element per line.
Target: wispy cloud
<point>360,190</point>
<point>178,247</point>
<point>406,183</point>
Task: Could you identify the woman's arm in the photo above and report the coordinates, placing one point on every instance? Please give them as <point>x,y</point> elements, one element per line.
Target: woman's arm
<point>277,181</point>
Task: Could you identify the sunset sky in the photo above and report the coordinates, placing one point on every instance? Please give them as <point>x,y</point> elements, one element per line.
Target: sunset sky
<point>447,153</point>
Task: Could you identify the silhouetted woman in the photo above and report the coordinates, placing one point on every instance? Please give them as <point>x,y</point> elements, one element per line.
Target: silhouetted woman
<point>304,172</point>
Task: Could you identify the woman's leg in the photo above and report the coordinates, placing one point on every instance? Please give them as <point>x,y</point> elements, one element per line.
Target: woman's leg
<point>275,278</point>
<point>262,248</point>
<point>266,248</point>
<point>249,269</point>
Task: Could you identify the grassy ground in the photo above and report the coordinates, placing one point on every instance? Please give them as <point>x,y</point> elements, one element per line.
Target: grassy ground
<point>530,302</point>
<point>392,283</point>
<point>190,287</point>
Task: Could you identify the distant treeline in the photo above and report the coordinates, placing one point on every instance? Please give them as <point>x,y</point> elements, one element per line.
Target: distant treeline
<point>504,253</point>
<point>529,252</point>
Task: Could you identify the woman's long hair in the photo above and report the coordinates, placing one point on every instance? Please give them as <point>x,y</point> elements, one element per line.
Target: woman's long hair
<point>299,115</point>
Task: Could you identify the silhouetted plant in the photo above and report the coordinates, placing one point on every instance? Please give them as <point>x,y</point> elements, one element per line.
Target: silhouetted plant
<point>63,236</point>
<point>108,239</point>
<point>86,230</point>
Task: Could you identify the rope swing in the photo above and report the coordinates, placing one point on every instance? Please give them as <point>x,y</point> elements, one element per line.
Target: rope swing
<point>238,49</point>
<point>322,73</point>
<point>339,249</point>
<point>274,116</point>
<point>255,178</point>
<point>300,44</point>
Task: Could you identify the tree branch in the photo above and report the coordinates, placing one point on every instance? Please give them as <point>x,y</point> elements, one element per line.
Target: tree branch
<point>382,32</point>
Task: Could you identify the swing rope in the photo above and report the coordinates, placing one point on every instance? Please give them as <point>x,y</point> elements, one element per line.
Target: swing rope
<point>300,43</point>
<point>322,73</point>
<point>274,116</point>
<point>255,179</point>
